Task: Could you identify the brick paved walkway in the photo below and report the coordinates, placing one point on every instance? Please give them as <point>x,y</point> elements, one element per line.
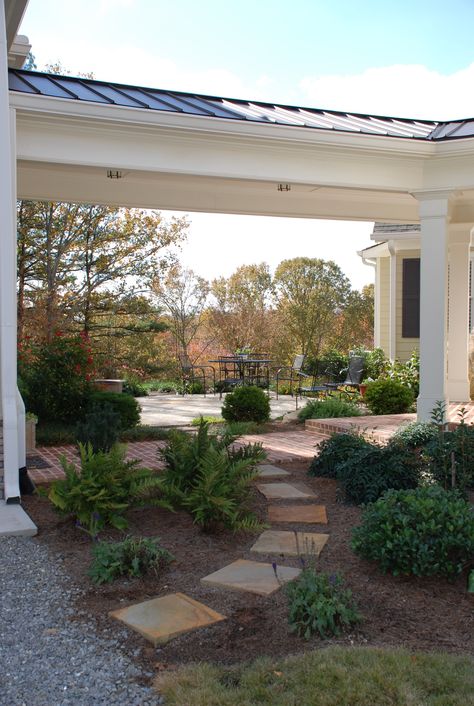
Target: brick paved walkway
<point>282,446</point>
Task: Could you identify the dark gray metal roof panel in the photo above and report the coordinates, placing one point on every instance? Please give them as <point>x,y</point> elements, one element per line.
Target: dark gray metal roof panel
<point>396,227</point>
<point>84,89</point>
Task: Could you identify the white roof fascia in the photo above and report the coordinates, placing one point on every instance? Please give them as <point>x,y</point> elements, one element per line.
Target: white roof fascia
<point>406,235</point>
<point>372,251</point>
<point>14,11</point>
<point>139,116</point>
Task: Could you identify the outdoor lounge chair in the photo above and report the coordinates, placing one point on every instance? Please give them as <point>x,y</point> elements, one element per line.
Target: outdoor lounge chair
<point>191,373</point>
<point>292,374</point>
<point>353,379</point>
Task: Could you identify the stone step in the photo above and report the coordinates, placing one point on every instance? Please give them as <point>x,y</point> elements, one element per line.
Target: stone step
<point>14,522</point>
<point>311,514</point>
<point>284,543</point>
<point>251,576</point>
<point>285,491</point>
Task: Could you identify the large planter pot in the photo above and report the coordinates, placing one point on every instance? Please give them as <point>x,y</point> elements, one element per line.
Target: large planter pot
<point>30,435</point>
<point>109,385</point>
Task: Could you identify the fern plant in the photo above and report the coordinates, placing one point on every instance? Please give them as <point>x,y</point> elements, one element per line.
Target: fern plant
<point>99,493</point>
<point>212,481</point>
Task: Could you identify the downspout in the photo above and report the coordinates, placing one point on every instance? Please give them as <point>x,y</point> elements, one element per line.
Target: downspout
<point>372,262</point>
<point>8,384</point>
<point>392,340</point>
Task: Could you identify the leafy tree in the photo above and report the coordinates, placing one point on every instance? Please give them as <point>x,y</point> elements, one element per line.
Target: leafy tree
<point>354,326</point>
<point>183,295</point>
<point>309,294</point>
<point>240,311</point>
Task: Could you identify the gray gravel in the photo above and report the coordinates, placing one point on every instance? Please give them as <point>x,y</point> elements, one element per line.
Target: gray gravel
<point>45,658</point>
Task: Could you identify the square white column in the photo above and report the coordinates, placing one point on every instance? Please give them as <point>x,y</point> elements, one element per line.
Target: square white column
<point>458,318</point>
<point>433,209</point>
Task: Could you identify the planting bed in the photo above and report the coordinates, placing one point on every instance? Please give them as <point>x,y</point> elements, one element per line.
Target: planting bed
<point>420,614</point>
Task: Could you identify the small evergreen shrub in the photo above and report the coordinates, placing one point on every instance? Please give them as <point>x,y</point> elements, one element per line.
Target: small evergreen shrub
<point>246,404</point>
<point>450,453</point>
<point>132,557</point>
<point>334,451</point>
<point>318,603</point>
<point>387,396</point>
<point>425,532</point>
<point>329,408</point>
<point>126,406</point>
<point>100,428</point>
<point>364,469</point>
<point>416,435</point>
<point>369,472</point>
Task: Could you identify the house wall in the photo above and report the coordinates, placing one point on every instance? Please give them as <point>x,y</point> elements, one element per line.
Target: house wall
<point>404,346</point>
<point>383,263</point>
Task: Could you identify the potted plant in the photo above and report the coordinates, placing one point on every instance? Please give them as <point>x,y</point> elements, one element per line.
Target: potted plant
<point>363,385</point>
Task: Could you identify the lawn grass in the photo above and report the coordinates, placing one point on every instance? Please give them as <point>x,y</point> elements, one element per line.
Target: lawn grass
<point>331,677</point>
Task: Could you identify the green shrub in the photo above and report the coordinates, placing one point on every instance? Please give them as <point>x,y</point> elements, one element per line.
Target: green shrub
<point>450,453</point>
<point>212,482</point>
<point>241,428</point>
<point>416,435</point>
<point>318,603</point>
<point>99,493</point>
<point>55,434</point>
<point>126,406</point>
<point>364,469</point>
<point>246,404</point>
<point>330,366</point>
<point>132,386</point>
<point>100,428</point>
<point>376,364</point>
<point>169,386</point>
<point>408,374</point>
<point>132,557</point>
<point>56,377</point>
<point>424,532</point>
<point>334,451</point>
<point>369,472</point>
<point>327,409</point>
<point>387,396</point>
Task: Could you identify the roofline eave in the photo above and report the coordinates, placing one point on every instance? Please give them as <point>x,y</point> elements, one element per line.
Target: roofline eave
<point>66,108</point>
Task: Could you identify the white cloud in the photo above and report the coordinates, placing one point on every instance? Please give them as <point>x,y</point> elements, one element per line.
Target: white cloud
<point>403,90</point>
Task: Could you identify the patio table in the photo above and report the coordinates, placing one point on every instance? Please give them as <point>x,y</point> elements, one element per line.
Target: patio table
<point>239,370</point>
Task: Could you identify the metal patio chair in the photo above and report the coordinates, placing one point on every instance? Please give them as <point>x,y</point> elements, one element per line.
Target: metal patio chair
<point>355,370</point>
<point>191,373</point>
<point>292,374</point>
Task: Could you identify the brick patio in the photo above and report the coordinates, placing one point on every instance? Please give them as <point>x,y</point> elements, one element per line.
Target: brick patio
<point>283,446</point>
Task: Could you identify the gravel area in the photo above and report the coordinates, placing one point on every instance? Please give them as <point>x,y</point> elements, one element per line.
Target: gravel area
<point>51,655</point>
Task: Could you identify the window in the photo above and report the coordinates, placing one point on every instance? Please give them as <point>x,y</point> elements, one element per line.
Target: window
<point>411,298</point>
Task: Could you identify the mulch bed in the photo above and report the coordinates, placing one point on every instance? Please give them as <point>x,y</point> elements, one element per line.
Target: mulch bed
<point>419,614</point>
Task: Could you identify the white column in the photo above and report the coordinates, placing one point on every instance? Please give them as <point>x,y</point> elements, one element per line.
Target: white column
<point>433,208</point>
<point>392,326</point>
<point>458,320</point>
<point>377,304</point>
<point>8,385</point>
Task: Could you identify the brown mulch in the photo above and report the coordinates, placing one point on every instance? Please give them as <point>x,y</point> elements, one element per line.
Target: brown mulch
<point>419,614</point>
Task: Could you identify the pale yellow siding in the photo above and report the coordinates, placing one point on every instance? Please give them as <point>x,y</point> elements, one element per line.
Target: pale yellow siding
<point>404,346</point>
<point>384,264</point>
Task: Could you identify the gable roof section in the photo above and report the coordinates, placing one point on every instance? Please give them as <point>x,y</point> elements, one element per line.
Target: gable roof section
<point>84,89</point>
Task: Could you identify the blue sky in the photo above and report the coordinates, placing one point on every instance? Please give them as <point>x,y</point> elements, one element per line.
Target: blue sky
<point>400,58</point>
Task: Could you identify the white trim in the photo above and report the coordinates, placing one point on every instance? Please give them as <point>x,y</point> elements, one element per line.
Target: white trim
<point>392,341</point>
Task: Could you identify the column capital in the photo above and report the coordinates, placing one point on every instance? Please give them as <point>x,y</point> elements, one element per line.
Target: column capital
<point>434,204</point>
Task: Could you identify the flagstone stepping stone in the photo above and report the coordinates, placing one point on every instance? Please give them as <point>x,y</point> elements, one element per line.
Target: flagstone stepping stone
<point>290,543</point>
<point>162,618</point>
<point>266,470</point>
<point>252,576</point>
<point>315,514</point>
<point>285,491</point>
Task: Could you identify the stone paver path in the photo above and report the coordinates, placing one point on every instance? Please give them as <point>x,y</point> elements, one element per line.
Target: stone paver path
<point>162,618</point>
<point>314,514</point>
<point>276,542</point>
<point>266,470</point>
<point>252,576</point>
<point>285,491</point>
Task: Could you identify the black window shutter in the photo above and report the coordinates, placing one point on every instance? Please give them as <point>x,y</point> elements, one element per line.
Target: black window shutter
<point>411,298</point>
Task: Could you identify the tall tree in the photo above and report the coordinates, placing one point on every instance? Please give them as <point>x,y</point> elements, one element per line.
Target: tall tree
<point>240,308</point>
<point>309,293</point>
<point>183,295</point>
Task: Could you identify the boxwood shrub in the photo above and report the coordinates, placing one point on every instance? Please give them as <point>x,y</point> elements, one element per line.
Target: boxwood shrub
<point>387,396</point>
<point>124,405</point>
<point>246,404</point>
<point>334,451</point>
<point>424,532</point>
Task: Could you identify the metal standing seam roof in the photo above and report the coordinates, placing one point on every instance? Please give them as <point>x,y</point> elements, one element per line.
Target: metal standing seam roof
<point>84,89</point>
